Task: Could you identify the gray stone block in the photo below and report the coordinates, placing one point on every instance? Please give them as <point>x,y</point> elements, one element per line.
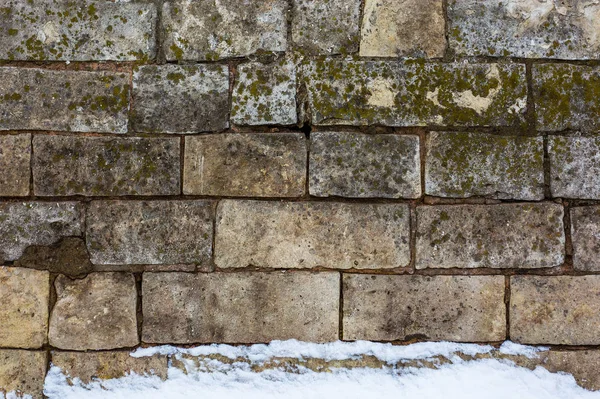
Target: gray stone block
<point>15,159</point>
<point>574,167</point>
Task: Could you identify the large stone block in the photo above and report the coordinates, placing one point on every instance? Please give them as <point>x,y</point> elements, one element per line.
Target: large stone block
<point>180,98</point>
<point>82,101</point>
<point>77,30</point>
<point>454,308</point>
<point>585,226</point>
<point>364,165</point>
<point>462,165</point>
<point>97,312</point>
<point>413,28</point>
<point>150,232</point>
<point>559,310</point>
<point>36,223</point>
<point>246,164</point>
<point>240,307</point>
<point>415,93</point>
<point>211,30</point>
<point>15,157</point>
<point>574,167</point>
<point>73,165</point>
<point>22,372</point>
<point>24,294</point>
<point>311,234</point>
<point>523,236</point>
<point>525,28</point>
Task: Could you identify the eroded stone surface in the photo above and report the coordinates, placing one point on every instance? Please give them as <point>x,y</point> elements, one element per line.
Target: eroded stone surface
<point>70,165</point>
<point>15,156</point>
<point>462,165</point>
<point>77,31</point>
<point>82,101</point>
<point>240,307</point>
<point>265,94</point>
<point>585,225</point>
<point>180,98</point>
<point>364,165</point>
<point>97,312</point>
<point>574,167</point>
<point>453,308</point>
<point>326,27</point>
<point>150,232</point>
<point>221,29</point>
<point>414,93</point>
<point>250,165</point>
<point>24,295</point>
<point>561,310</point>
<point>582,364</point>
<point>22,372</point>
<point>566,97</point>
<point>525,28</point>
<point>413,28</point>
<point>311,234</point>
<point>68,256</point>
<point>521,236</point>
<point>36,223</point>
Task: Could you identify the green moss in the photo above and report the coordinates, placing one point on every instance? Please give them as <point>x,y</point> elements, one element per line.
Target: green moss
<point>13,32</point>
<point>177,51</point>
<point>176,77</point>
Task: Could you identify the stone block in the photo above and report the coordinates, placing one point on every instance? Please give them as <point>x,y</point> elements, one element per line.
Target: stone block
<point>585,226</point>
<point>15,157</point>
<point>574,167</point>
<point>582,364</point>
<point>22,372</point>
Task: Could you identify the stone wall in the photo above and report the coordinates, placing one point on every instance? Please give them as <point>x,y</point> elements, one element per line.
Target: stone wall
<point>240,171</point>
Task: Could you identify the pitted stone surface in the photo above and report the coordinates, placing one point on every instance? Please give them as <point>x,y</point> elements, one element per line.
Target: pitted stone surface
<point>415,93</point>
<point>265,94</point>
<point>413,28</point>
<point>360,165</point>
<point>585,226</point>
<point>212,30</point>
<point>240,307</point>
<point>70,165</point>
<point>22,371</point>
<point>24,295</point>
<point>524,236</point>
<point>558,310</point>
<point>150,232</point>
<point>525,28</point>
<point>566,97</point>
<point>97,312</point>
<point>180,98</point>
<point>462,165</point>
<point>326,27</point>
<point>36,223</point>
<point>15,156</point>
<point>453,308</point>
<point>249,165</point>
<point>311,234</point>
<point>77,31</point>
<point>574,167</point>
<point>81,101</point>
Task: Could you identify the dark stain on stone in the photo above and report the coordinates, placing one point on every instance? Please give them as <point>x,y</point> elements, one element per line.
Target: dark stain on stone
<point>68,256</point>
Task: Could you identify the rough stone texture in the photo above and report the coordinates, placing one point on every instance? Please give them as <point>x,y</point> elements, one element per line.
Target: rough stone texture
<point>211,30</point>
<point>525,28</point>
<point>251,165</point>
<point>36,223</point>
<point>150,232</point>
<point>70,165</point>
<point>414,28</point>
<point>326,27</point>
<point>415,93</point>
<point>453,308</point>
<point>23,372</point>
<point>68,256</point>
<point>15,156</point>
<point>462,165</point>
<point>41,99</point>
<point>560,310</point>
<point>566,97</point>
<point>97,312</point>
<point>585,226</point>
<point>180,98</point>
<point>24,295</point>
<point>265,94</point>
<point>582,364</point>
<point>77,31</point>
<point>364,165</point>
<point>523,236</point>
<point>91,366</point>
<point>311,234</point>
<point>574,167</point>
<point>240,307</point>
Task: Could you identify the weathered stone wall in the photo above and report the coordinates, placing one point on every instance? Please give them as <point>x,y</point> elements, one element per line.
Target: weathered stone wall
<point>184,172</point>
